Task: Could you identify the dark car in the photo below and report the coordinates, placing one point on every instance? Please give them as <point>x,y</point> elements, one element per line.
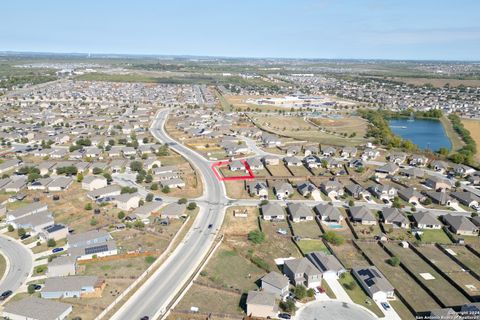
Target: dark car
<point>145,318</point>
<point>37,287</point>
<point>57,250</point>
<point>5,294</point>
<point>210,226</point>
<point>25,236</point>
<point>284,316</point>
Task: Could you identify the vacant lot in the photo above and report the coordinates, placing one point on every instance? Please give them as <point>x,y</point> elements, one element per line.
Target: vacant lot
<point>448,294</point>
<point>474,127</point>
<point>454,271</point>
<point>435,236</point>
<point>466,257</point>
<point>349,255</point>
<point>3,265</point>
<point>418,298</point>
<point>236,189</point>
<point>346,125</point>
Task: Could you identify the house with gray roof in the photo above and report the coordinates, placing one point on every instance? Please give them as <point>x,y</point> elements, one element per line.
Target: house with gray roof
<point>438,183</point>
<point>460,225</point>
<point>386,170</point>
<point>60,184</point>
<point>410,195</point>
<point>27,210</point>
<point>327,263</point>
<point>441,197</point>
<point>363,215</point>
<point>282,190</point>
<point>276,283</point>
<point>62,266</point>
<point>174,210</point>
<point>70,287</point>
<point>374,283</point>
<point>395,217</point>
<point>426,220</point>
<point>261,304</point>
<point>466,198</point>
<point>272,211</point>
<point>147,209</point>
<point>33,308</point>
<point>357,191</point>
<point>300,212</point>
<point>258,188</point>
<point>328,213</point>
<point>307,188</point>
<point>302,271</point>
<point>105,192</point>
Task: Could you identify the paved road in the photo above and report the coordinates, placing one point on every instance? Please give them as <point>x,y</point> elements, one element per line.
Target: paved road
<point>20,264</point>
<point>154,296</point>
<point>337,310</point>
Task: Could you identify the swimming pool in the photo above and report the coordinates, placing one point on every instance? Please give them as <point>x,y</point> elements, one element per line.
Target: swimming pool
<point>334,226</point>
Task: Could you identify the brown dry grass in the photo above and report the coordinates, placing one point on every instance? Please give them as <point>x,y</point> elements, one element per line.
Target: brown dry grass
<point>473,126</point>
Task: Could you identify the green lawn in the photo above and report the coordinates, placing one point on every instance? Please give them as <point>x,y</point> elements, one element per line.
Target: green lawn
<point>435,236</point>
<point>358,295</point>
<point>308,246</point>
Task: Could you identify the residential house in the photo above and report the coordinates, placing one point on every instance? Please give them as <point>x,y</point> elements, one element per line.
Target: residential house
<point>237,165</point>
<point>397,157</point>
<point>332,188</point>
<point>466,198</point>
<point>174,210</point>
<point>272,211</point>
<point>302,271</point>
<point>127,201</point>
<point>362,215</point>
<point>460,225</point>
<point>33,308</point>
<point>271,160</point>
<point>439,166</point>
<point>387,170</point>
<point>255,164</point>
<point>426,220</point>
<point>292,161</point>
<point>26,210</point>
<point>418,160</point>
<point>105,192</point>
<point>328,213</point>
<point>56,232</point>
<point>411,195</point>
<point>147,209</point>
<point>275,283</point>
<point>261,304</point>
<point>307,188</point>
<point>71,287</point>
<point>348,152</point>
<point>438,183</point>
<point>282,190</point>
<point>441,198</point>
<point>357,191</point>
<point>300,212</point>
<point>95,182</point>
<point>327,263</point>
<point>374,283</point>
<point>383,191</point>
<point>395,217</point>
<point>60,184</point>
<point>62,266</point>
<point>258,188</point>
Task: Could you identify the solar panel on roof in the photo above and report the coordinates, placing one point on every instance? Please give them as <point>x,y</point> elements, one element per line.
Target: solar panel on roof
<point>375,273</point>
<point>96,249</point>
<point>369,282</point>
<point>55,227</point>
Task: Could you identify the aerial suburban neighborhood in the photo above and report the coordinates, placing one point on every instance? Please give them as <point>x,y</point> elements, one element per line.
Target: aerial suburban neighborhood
<point>148,186</point>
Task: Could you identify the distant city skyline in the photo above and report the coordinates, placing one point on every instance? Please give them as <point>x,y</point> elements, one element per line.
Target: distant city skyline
<point>322,29</point>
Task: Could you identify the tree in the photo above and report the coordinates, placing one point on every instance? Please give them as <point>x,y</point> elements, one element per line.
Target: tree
<point>108,176</point>
<point>31,288</point>
<point>149,197</point>
<point>393,261</point>
<point>10,228</point>
<point>166,189</point>
<point>182,200</point>
<point>256,236</point>
<point>97,170</point>
<point>351,203</point>
<point>21,232</point>
<point>149,259</point>
<point>192,206</point>
<point>121,215</point>
<point>333,238</point>
<point>93,222</point>
<point>80,177</point>
<point>263,202</point>
<point>396,203</point>
<point>136,166</point>
<point>310,293</point>
<point>51,243</point>
<point>300,292</point>
<point>88,206</point>
<point>288,306</point>
<point>139,224</point>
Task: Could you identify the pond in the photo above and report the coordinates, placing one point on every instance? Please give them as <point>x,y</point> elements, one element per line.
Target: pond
<point>425,133</point>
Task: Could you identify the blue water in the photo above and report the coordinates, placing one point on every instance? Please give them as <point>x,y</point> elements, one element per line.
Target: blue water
<point>427,134</point>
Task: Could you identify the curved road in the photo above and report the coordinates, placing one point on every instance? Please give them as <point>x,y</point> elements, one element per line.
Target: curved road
<point>154,296</point>
<point>20,264</point>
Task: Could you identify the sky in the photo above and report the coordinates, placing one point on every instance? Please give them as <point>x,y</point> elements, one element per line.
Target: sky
<point>335,29</point>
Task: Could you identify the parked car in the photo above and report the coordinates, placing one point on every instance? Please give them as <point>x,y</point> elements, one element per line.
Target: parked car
<point>145,318</point>
<point>5,295</point>
<point>284,316</point>
<point>210,226</point>
<point>37,287</point>
<point>25,236</point>
<point>385,305</point>
<point>57,250</point>
<point>157,199</point>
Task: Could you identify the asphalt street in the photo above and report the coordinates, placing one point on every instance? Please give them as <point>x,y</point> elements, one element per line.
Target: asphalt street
<point>155,295</point>
<point>20,264</point>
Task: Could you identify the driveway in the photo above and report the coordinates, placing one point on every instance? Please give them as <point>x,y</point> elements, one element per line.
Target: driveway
<point>338,310</point>
<point>338,290</point>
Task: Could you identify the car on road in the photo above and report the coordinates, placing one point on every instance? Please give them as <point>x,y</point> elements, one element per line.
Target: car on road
<point>157,199</point>
<point>385,305</point>
<point>284,316</point>
<point>210,226</point>
<point>386,201</point>
<point>145,318</point>
<point>6,294</point>
<point>57,250</point>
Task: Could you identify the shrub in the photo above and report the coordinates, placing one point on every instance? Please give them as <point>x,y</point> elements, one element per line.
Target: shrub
<point>51,243</point>
<point>154,186</point>
<point>31,288</point>
<point>166,189</point>
<point>93,222</point>
<point>288,306</point>
<point>300,292</point>
<point>149,197</point>
<point>333,238</point>
<point>310,293</point>
<point>192,206</point>
<point>121,215</point>
<point>259,262</point>
<point>21,232</point>
<point>10,228</point>
<point>394,261</point>
<point>182,201</point>
<point>88,206</point>
<point>256,236</point>
<point>149,259</point>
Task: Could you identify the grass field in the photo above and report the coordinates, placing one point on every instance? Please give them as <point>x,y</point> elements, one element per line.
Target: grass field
<point>308,246</point>
<point>438,82</point>
<point>307,229</point>
<point>452,269</point>
<point>466,257</point>
<point>447,293</point>
<point>435,236</point>
<point>474,127</point>
<point>349,255</point>
<point>418,298</point>
<point>455,139</point>
<point>358,295</point>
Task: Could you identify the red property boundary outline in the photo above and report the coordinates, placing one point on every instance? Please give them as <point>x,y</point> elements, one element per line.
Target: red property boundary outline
<point>221,163</point>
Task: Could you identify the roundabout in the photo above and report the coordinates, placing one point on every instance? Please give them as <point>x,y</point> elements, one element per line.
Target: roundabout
<point>332,309</point>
